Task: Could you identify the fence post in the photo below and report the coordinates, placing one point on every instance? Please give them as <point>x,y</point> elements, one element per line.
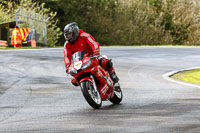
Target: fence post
<point>16,16</point>
<point>46,30</point>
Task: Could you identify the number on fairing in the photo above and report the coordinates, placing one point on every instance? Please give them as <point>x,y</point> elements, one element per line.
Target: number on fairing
<point>78,65</point>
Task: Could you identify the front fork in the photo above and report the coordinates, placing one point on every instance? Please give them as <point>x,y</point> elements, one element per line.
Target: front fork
<point>90,79</point>
<point>94,84</point>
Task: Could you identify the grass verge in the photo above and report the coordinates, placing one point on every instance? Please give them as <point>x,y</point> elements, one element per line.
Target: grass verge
<point>191,76</point>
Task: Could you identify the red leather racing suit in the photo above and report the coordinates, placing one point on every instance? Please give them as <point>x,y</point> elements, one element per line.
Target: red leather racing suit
<point>84,42</point>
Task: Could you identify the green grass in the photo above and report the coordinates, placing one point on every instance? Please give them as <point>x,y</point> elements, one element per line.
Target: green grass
<point>191,76</point>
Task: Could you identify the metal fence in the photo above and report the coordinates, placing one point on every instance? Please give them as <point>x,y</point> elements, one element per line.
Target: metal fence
<point>35,21</point>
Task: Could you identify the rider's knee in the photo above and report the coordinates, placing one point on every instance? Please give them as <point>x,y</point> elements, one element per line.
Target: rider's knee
<point>106,63</point>
<point>109,64</point>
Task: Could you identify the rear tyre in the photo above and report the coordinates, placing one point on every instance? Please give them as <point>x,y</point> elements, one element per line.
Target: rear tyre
<point>91,95</point>
<point>118,96</point>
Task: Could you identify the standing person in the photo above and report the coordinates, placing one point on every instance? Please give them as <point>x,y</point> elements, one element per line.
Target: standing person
<point>78,40</point>
<point>16,38</point>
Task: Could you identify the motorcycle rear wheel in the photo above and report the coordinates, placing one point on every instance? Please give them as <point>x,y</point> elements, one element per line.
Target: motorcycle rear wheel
<point>118,96</point>
<point>91,95</point>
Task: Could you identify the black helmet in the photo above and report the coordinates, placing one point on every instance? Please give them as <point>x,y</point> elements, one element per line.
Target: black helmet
<point>71,28</point>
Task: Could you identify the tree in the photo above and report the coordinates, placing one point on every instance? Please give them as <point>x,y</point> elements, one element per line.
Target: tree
<point>10,7</point>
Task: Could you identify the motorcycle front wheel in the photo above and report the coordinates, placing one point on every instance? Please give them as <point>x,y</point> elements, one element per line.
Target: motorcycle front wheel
<point>91,95</point>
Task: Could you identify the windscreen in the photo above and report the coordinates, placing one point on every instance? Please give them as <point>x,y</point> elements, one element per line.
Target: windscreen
<point>78,56</point>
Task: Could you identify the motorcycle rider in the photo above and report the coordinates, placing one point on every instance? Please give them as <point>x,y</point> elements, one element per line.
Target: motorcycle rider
<point>78,40</point>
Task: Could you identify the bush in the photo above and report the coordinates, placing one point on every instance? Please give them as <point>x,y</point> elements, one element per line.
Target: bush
<point>119,22</point>
<point>115,22</point>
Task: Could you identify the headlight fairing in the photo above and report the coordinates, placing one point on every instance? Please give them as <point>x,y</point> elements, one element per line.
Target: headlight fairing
<point>86,65</point>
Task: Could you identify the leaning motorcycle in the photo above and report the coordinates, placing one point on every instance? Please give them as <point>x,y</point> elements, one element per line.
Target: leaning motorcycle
<point>95,82</point>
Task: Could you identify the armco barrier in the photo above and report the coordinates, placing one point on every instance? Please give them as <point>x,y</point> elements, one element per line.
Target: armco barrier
<point>3,44</point>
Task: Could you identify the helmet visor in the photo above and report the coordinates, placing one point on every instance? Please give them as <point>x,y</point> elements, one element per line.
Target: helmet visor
<point>68,36</point>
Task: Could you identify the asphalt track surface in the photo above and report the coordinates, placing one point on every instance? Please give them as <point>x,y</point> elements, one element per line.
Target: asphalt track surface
<point>36,95</point>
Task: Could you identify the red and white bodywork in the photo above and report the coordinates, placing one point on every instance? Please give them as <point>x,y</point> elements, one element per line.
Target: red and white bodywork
<point>94,79</point>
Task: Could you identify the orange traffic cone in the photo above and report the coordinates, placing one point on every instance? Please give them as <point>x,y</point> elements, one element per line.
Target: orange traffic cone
<point>33,43</point>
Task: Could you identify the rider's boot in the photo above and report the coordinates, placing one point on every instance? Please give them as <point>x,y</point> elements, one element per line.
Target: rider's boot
<point>108,65</point>
<point>114,77</point>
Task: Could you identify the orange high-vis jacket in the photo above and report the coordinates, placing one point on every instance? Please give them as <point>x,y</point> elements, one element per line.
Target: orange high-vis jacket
<point>16,38</point>
<point>24,33</point>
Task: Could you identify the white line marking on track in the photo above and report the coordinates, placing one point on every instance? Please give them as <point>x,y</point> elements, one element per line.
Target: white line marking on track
<point>167,77</point>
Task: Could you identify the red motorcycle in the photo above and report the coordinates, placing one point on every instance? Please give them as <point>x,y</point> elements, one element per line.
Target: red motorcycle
<point>95,81</point>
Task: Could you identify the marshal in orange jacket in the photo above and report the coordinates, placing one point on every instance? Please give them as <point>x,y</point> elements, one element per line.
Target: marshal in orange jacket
<point>16,38</point>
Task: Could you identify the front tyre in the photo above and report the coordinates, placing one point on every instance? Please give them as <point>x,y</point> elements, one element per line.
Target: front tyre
<point>91,95</point>
<point>117,98</point>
